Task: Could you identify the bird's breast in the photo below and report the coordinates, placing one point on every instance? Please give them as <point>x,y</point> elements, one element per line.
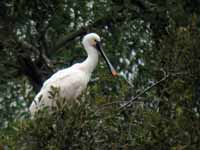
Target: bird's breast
<point>73,86</point>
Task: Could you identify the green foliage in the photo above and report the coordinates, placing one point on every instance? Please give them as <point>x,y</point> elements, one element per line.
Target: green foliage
<point>87,125</point>
<point>143,39</point>
<point>14,102</point>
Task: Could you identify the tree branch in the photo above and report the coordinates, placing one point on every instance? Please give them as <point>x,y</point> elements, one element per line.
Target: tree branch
<point>32,68</point>
<point>143,92</point>
<point>27,45</point>
<point>68,39</point>
<point>116,17</point>
<point>99,23</point>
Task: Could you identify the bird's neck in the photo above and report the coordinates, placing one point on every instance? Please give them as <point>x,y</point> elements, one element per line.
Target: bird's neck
<point>91,62</point>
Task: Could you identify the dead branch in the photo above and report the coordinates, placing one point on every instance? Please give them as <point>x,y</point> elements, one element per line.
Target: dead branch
<point>144,91</point>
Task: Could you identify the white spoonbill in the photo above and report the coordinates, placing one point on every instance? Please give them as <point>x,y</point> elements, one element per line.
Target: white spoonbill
<point>73,80</point>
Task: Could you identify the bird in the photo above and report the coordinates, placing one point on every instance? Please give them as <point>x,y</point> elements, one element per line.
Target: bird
<point>72,81</point>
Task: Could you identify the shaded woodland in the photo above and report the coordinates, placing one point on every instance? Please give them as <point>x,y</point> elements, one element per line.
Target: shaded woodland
<point>154,46</point>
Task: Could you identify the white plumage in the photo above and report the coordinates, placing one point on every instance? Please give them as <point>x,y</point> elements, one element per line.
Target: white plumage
<point>73,80</point>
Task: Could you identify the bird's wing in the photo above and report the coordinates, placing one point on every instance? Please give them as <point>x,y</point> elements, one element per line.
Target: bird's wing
<point>60,75</point>
<point>72,82</point>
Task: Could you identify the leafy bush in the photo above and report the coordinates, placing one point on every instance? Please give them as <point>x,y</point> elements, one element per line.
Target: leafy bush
<point>86,125</point>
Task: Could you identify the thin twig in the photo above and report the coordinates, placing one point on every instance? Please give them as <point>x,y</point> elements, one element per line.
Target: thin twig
<point>129,83</point>
<point>112,103</point>
<point>27,45</point>
<point>144,91</point>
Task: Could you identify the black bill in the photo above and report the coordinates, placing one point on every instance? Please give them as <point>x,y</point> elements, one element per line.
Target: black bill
<point>110,66</point>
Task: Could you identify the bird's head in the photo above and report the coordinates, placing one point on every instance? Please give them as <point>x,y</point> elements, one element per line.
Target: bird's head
<point>93,40</point>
